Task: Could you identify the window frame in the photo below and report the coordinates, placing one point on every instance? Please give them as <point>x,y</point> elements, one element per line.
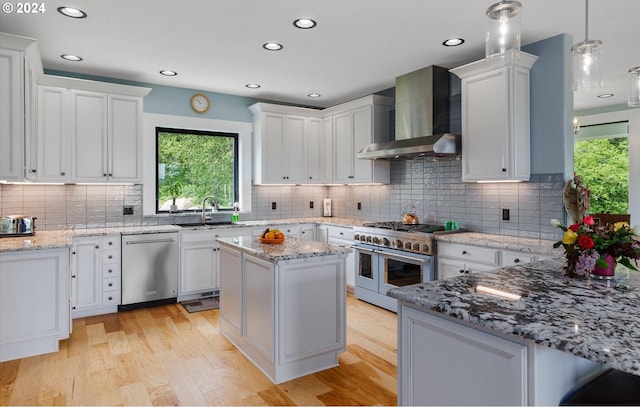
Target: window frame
<point>198,132</point>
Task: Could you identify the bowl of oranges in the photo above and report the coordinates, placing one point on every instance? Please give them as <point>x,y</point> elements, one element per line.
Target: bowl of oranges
<point>271,236</point>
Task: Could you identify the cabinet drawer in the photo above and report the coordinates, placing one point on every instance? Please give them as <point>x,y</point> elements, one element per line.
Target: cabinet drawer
<point>111,284</point>
<point>111,298</point>
<point>470,253</point>
<point>110,257</point>
<point>111,270</point>
<point>515,258</point>
<point>341,233</point>
<point>198,236</point>
<point>111,242</point>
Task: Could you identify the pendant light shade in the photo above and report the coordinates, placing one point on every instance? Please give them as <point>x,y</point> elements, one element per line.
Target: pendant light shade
<point>503,33</point>
<point>587,60</point>
<point>634,86</point>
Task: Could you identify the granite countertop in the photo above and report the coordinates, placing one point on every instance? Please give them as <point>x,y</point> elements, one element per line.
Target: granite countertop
<point>290,249</point>
<point>588,318</point>
<point>522,244</point>
<point>52,239</point>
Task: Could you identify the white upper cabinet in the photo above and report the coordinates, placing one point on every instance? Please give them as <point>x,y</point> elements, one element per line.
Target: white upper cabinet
<point>53,135</point>
<point>284,140</point>
<point>495,119</point>
<point>106,133</point>
<point>295,145</point>
<point>20,67</point>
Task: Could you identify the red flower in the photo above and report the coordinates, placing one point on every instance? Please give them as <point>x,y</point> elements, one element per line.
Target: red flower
<point>574,227</point>
<point>585,242</point>
<point>588,220</point>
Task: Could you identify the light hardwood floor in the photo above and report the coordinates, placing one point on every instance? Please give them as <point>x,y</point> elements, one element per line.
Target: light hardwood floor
<point>166,356</point>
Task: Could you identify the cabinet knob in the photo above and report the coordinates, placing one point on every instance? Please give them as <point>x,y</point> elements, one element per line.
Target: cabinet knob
<point>74,307</point>
<point>350,176</point>
<point>464,252</point>
<point>516,260</point>
<point>104,174</point>
<point>97,247</point>
<point>110,271</point>
<point>110,243</point>
<point>466,271</point>
<point>33,171</point>
<point>110,284</point>
<point>111,175</point>
<point>461,271</point>
<point>110,298</point>
<point>73,276</point>
<point>504,170</point>
<point>110,257</point>
<point>62,173</point>
<point>310,177</point>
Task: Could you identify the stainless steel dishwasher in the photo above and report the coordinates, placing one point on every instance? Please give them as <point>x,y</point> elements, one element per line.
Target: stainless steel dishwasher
<point>149,270</point>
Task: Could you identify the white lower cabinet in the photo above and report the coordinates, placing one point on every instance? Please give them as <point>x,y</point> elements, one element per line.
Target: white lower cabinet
<point>446,363</point>
<point>34,302</point>
<point>289,317</point>
<point>455,259</point>
<point>199,261</point>
<point>95,275</point>
<point>343,236</point>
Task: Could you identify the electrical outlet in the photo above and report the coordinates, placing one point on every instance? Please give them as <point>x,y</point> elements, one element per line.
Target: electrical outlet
<point>359,206</point>
<point>505,214</point>
<point>273,205</point>
<point>310,204</point>
<point>127,210</point>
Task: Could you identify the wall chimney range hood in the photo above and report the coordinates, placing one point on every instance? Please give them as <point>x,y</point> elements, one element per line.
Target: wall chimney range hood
<point>422,118</point>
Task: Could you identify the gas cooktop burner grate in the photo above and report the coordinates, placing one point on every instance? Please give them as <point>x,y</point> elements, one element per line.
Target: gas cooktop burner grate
<point>402,227</point>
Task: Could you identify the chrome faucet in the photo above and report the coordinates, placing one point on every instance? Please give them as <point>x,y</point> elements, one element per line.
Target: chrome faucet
<point>216,206</point>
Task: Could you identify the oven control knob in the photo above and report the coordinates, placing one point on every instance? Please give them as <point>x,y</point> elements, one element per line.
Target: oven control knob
<point>363,238</point>
<point>375,240</point>
<point>385,241</point>
<point>424,248</point>
<point>356,237</point>
<point>407,245</point>
<point>396,243</point>
<point>369,239</point>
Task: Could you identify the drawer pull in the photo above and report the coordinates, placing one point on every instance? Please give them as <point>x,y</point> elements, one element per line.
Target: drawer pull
<point>110,284</point>
<point>464,252</point>
<point>97,247</point>
<point>461,271</point>
<point>516,260</point>
<point>110,298</point>
<point>110,257</point>
<point>110,271</point>
<point>110,243</point>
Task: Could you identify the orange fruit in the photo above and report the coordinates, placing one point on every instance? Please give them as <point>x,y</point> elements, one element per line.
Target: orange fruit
<point>278,235</point>
<point>269,236</point>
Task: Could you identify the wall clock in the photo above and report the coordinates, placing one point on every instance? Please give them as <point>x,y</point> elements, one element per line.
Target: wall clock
<point>200,103</point>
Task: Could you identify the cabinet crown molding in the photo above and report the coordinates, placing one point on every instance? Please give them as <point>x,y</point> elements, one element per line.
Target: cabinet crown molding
<point>93,86</point>
<point>522,60</point>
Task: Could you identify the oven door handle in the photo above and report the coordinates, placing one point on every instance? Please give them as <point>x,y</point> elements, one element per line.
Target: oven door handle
<point>362,249</point>
<point>399,256</point>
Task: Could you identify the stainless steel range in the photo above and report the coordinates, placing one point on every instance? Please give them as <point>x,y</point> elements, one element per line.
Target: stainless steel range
<point>392,254</point>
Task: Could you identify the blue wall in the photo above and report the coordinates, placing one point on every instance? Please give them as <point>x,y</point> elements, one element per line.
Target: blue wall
<point>551,105</point>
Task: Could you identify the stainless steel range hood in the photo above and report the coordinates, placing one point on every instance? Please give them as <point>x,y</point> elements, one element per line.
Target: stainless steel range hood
<point>422,118</point>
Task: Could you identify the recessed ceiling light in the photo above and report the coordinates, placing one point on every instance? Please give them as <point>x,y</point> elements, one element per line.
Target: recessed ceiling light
<point>605,95</point>
<point>252,85</point>
<point>69,57</point>
<point>72,12</point>
<point>314,95</point>
<point>272,46</point>
<point>304,23</point>
<point>167,72</point>
<point>453,42</point>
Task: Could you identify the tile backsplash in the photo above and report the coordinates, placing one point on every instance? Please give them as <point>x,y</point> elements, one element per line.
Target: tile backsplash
<point>433,187</point>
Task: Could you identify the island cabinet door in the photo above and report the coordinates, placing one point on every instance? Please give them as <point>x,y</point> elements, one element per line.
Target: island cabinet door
<point>311,304</point>
<point>230,266</point>
<point>442,362</point>
<point>259,307</point>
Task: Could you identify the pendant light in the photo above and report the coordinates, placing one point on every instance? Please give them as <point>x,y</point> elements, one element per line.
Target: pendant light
<point>634,86</point>
<point>587,57</point>
<point>503,33</point>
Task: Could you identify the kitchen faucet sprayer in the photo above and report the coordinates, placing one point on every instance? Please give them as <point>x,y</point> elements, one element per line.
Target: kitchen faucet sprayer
<point>216,206</point>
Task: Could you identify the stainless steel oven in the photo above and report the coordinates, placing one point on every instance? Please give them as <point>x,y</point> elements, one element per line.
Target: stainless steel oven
<point>387,258</point>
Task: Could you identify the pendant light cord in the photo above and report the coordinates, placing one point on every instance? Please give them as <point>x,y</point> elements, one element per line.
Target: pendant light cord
<point>586,21</point>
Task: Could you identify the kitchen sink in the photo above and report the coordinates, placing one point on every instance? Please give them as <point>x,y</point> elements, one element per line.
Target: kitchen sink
<point>195,225</point>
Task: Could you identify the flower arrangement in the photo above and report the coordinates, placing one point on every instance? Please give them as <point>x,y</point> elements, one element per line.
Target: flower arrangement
<point>587,246</point>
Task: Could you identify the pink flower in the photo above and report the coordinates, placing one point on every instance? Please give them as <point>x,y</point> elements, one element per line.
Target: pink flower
<point>588,220</point>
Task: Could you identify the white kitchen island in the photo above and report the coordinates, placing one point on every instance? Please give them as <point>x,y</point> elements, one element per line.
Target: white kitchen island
<point>520,335</point>
<point>283,306</point>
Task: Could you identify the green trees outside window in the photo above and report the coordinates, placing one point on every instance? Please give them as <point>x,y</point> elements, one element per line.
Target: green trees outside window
<point>603,164</point>
<point>192,164</point>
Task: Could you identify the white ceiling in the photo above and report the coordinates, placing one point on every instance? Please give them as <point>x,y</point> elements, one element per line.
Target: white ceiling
<point>357,48</point>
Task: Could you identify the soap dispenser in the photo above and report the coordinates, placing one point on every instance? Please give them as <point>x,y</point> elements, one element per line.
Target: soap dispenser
<point>235,217</point>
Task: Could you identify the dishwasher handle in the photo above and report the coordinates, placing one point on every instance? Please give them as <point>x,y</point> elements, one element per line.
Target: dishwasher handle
<point>170,240</point>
